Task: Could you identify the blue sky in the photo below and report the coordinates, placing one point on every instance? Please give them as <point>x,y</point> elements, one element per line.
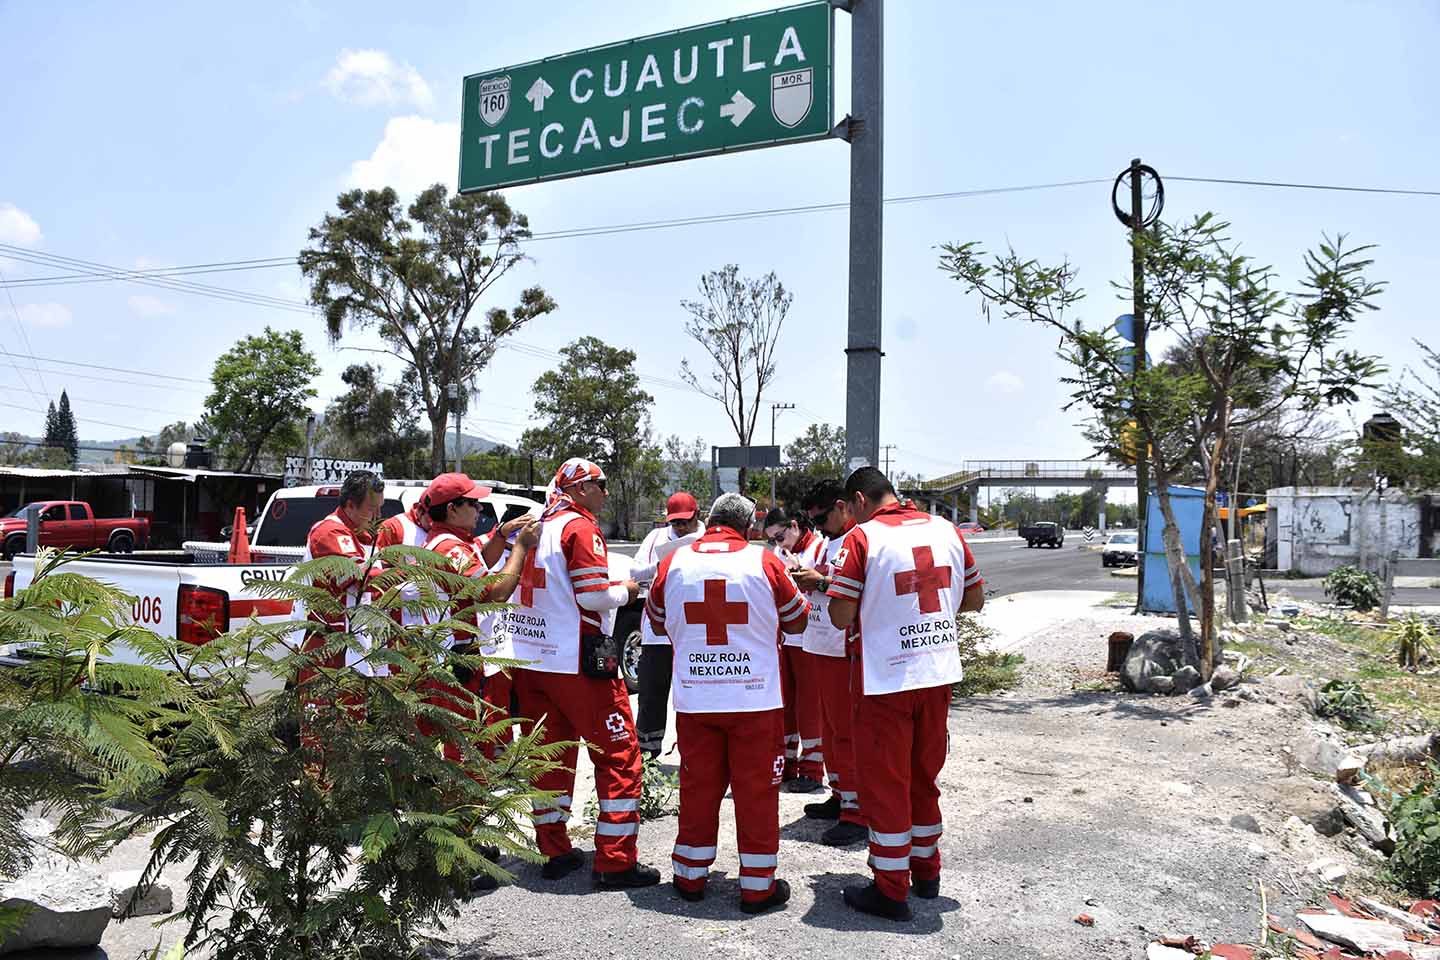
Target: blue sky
<point>156,134</point>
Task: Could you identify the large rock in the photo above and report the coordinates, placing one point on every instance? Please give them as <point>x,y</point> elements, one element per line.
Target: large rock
<point>1320,751</point>
<point>69,905</point>
<point>1224,678</point>
<point>1153,654</point>
<point>157,899</point>
<point>1187,678</point>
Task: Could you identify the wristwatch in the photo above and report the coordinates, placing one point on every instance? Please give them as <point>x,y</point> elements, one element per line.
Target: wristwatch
<point>824,584</point>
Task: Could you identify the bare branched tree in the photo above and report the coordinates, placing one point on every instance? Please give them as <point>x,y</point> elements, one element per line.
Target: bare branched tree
<point>737,321</point>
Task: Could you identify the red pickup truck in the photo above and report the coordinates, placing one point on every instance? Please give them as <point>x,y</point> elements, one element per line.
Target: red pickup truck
<point>70,523</point>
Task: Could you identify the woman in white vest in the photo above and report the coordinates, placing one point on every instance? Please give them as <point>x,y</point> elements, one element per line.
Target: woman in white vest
<point>682,526</point>
<point>901,579</point>
<point>724,602</point>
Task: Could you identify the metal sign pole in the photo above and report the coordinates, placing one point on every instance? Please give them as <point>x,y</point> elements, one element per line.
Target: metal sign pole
<point>867,187</point>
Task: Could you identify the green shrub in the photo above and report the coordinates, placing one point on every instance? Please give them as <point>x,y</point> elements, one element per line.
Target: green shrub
<point>1415,864</point>
<point>986,671</point>
<point>659,793</point>
<point>1347,702</point>
<point>1353,587</point>
<point>1414,642</point>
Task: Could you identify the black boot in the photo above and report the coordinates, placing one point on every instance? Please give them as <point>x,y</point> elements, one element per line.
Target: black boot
<point>779,896</point>
<point>690,896</point>
<point>870,900</point>
<point>563,865</point>
<point>826,810</point>
<point>483,883</point>
<point>804,785</point>
<point>925,889</point>
<point>843,834</point>
<point>638,875</point>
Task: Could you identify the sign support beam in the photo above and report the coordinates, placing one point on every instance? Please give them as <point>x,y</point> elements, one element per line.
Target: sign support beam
<point>867,187</point>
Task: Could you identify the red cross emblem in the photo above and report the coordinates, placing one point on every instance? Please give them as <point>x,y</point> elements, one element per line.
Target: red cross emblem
<point>926,579</point>
<point>717,613</point>
<point>531,579</point>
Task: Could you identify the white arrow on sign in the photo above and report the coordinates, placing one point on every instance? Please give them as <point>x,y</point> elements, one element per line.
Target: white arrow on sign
<point>537,93</point>
<point>738,108</point>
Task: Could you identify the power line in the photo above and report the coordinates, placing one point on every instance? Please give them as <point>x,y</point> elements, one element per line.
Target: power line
<point>20,324</point>
<point>103,423</point>
<point>1395,191</point>
<point>99,366</point>
<point>70,374</point>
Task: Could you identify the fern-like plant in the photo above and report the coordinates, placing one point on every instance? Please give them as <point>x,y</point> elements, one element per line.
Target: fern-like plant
<point>1414,642</point>
<point>348,840</point>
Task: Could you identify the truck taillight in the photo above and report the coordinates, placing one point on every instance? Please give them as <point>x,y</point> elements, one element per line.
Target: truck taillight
<point>9,584</point>
<point>203,613</point>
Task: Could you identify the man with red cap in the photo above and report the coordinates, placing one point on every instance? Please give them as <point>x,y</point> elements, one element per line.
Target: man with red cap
<point>682,526</point>
<point>571,680</point>
<point>789,533</point>
<point>724,602</point>
<point>901,580</point>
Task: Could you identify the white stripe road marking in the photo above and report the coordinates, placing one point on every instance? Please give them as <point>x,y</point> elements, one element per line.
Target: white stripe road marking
<point>927,830</point>
<point>694,853</point>
<point>890,863</point>
<point>758,860</point>
<point>920,853</point>
<point>619,806</point>
<point>889,839</point>
<point>603,829</point>
<point>755,883</point>
<point>686,872</point>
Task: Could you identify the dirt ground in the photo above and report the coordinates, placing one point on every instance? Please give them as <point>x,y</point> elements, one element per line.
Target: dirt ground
<point>1064,797</point>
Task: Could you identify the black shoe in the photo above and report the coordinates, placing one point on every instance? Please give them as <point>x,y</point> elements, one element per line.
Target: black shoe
<point>690,896</point>
<point>489,853</point>
<point>843,834</point>
<point>804,785</point>
<point>637,876</point>
<point>483,883</point>
<point>563,865</point>
<point>870,900</point>
<point>828,810</point>
<point>925,889</point>
<point>779,896</point>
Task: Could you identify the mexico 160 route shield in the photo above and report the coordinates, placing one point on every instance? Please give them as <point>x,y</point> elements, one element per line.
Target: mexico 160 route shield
<point>738,84</point>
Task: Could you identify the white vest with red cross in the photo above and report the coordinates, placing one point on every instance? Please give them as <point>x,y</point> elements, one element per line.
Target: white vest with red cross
<point>720,616</point>
<point>914,580</point>
<point>412,536</point>
<point>493,639</point>
<point>807,557</point>
<point>544,626</point>
<point>821,637</point>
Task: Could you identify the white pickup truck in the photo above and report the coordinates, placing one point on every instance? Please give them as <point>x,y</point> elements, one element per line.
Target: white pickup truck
<point>187,600</point>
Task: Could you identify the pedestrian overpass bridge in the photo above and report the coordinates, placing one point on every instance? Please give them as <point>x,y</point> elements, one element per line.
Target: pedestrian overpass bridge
<point>942,492</point>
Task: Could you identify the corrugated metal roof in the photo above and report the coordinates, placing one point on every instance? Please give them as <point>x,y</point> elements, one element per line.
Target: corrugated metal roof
<point>179,473</point>
<point>53,474</point>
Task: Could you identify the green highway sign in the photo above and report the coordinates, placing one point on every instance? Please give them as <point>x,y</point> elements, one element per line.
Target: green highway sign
<point>748,82</point>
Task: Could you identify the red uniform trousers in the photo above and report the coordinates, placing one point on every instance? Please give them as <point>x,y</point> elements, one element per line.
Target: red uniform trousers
<point>741,751</point>
<point>495,691</point>
<point>832,682</point>
<point>310,701</point>
<point>576,707</point>
<point>804,755</point>
<point>900,744</point>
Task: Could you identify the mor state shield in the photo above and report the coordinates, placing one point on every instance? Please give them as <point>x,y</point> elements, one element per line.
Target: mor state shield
<point>791,94</point>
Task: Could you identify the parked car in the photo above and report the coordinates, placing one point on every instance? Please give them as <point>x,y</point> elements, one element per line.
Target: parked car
<point>1043,533</point>
<point>967,528</point>
<point>188,600</point>
<point>71,523</point>
<point>1121,550</point>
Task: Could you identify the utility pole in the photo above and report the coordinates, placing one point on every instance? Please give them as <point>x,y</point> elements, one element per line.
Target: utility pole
<point>309,449</point>
<point>775,409</point>
<point>1137,308</point>
<point>887,448</point>
<point>454,393</point>
<point>866,129</point>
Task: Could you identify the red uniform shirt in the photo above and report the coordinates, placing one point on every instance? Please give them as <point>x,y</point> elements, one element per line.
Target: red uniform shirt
<point>336,536</point>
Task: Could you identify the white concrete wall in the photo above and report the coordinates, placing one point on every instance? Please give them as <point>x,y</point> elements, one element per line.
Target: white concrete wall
<point>1317,529</point>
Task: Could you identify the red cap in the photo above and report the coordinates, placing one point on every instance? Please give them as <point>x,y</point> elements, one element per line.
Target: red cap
<point>680,506</point>
<point>452,486</point>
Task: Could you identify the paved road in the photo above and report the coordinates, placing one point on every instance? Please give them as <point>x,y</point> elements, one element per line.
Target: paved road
<point>1009,566</point>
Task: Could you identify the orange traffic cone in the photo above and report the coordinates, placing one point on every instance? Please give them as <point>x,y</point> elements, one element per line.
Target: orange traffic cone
<point>239,539</point>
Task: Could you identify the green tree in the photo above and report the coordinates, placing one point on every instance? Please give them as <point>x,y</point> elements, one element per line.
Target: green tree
<point>1413,399</point>
<point>261,388</point>
<point>373,422</point>
<point>66,431</point>
<point>415,276</point>
<point>688,467</point>
<point>152,450</point>
<point>53,437</point>
<point>737,322</point>
<point>1252,349</point>
<point>815,455</point>
<point>593,407</point>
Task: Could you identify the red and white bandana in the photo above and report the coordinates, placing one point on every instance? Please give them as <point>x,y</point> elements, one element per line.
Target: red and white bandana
<point>572,471</point>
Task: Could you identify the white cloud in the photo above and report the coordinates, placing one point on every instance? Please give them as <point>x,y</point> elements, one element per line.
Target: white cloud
<point>146,306</point>
<point>1003,381</point>
<point>371,78</point>
<point>414,153</point>
<point>49,316</point>
<point>17,227</point>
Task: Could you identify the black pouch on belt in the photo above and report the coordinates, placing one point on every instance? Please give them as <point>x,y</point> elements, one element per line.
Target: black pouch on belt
<point>462,673</point>
<point>599,656</point>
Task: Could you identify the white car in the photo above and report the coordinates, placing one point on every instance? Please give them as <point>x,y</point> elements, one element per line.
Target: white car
<point>190,600</point>
<point>1121,550</point>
